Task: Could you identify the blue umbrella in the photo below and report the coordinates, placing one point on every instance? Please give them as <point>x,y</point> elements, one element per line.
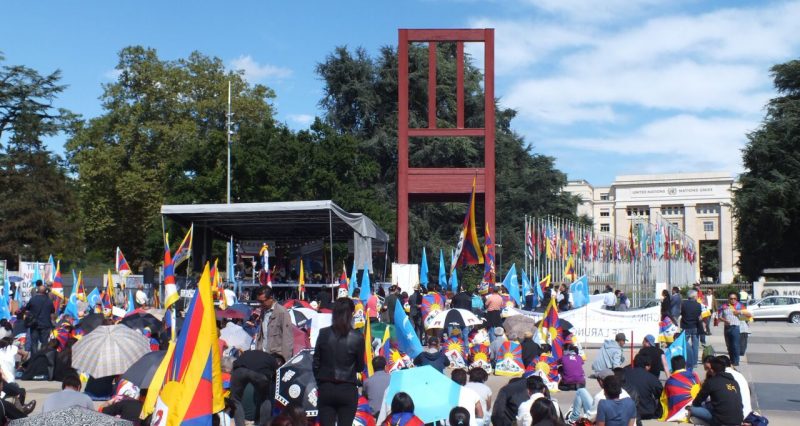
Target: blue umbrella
<point>433,393</point>
<point>241,307</point>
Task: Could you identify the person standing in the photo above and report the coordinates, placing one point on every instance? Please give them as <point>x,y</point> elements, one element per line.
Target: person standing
<point>494,305</point>
<point>274,335</point>
<point>462,300</point>
<point>665,305</point>
<point>729,314</point>
<point>691,324</point>
<point>609,299</point>
<point>415,310</point>
<point>675,305</point>
<point>388,307</point>
<point>40,309</point>
<point>338,356</point>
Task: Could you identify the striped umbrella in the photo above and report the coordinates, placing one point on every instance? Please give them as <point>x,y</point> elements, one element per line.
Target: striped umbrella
<point>109,350</point>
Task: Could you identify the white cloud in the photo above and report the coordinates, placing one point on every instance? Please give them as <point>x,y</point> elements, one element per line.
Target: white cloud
<point>255,72</point>
<point>112,74</point>
<point>301,119</point>
<point>593,10</point>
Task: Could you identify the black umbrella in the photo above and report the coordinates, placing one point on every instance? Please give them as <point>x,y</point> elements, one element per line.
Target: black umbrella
<point>142,371</point>
<point>90,322</point>
<point>455,317</point>
<point>140,320</point>
<point>295,383</point>
<point>564,324</point>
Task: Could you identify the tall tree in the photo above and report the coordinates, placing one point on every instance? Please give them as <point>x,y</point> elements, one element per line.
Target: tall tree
<point>38,214</point>
<point>767,204</point>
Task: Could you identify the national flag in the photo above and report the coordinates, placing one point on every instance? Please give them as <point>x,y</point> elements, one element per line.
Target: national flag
<point>344,282</point>
<point>512,285</point>
<point>526,287</point>
<point>93,299</point>
<point>442,273</point>
<point>550,328</point>
<point>301,283</point>
<point>468,250</point>
<point>106,296</point>
<point>5,313</point>
<point>264,254</point>
<point>542,286</point>
<point>58,282</point>
<point>353,279</point>
<point>368,355</point>
<point>110,286</point>
<point>580,292</point>
<point>453,277</point>
<point>192,378</point>
<point>423,270</point>
<point>528,240</point>
<point>6,288</point>
<point>366,287</point>
<point>184,251</point>
<point>218,286</point>
<point>407,339</point>
<point>678,347</point>
<point>569,269</point>
<point>52,264</point>
<point>679,391</point>
<point>232,266</point>
<point>131,305</point>
<point>81,292</point>
<point>489,272</point>
<point>122,265</point>
<point>386,343</point>
<point>170,288</point>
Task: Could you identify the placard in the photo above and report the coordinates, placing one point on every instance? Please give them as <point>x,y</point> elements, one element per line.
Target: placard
<point>593,324</point>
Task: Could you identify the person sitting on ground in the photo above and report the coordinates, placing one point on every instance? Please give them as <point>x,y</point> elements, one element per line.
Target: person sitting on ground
<point>499,339</point>
<point>744,388</point>
<point>654,353</point>
<point>509,398</point>
<point>69,396</point>
<point>459,416</point>
<point>126,404</point>
<point>545,413</point>
<point>536,390</point>
<point>725,398</point>
<point>614,410</point>
<point>584,405</point>
<point>8,372</point>
<point>468,398</point>
<point>375,386</point>
<point>644,389</point>
<point>676,381</point>
<point>401,412</point>
<point>564,298</point>
<point>10,411</point>
<point>40,366</point>
<point>477,382</point>
<point>572,376</point>
<point>432,356</point>
<point>530,349</point>
<point>610,355</point>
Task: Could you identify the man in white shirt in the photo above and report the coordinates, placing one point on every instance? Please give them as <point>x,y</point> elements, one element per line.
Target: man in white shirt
<point>477,379</point>
<point>536,390</point>
<point>468,398</point>
<point>744,389</point>
<point>609,299</point>
<point>585,406</point>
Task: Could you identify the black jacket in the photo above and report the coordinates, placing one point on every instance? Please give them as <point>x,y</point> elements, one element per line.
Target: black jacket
<point>726,399</point>
<point>690,314</point>
<point>462,300</point>
<point>654,354</point>
<point>645,390</point>
<point>436,360</point>
<point>530,351</point>
<point>506,405</point>
<point>338,359</point>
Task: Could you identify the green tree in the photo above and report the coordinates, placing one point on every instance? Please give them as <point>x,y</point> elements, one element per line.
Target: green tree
<point>709,259</point>
<point>38,215</point>
<point>767,203</point>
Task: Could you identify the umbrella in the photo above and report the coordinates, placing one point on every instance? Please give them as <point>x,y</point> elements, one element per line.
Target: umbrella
<point>454,317</point>
<point>230,314</point>
<point>679,391</point>
<point>519,324</point>
<point>71,416</point>
<point>15,279</point>
<point>90,322</point>
<point>246,310</point>
<point>142,320</point>
<point>142,371</point>
<point>235,336</point>
<point>295,383</point>
<point>564,324</point>
<point>109,350</point>
<point>434,394</point>
<point>295,303</point>
<point>301,316</point>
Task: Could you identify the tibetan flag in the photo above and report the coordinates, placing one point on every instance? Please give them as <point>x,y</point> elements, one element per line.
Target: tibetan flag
<point>301,284</point>
<point>368,349</point>
<point>442,273</point>
<point>344,282</point>
<point>679,391</point>
<point>184,250</point>
<point>489,272</point>
<point>580,292</point>
<point>58,282</point>
<point>549,327</point>
<point>170,288</point>
<point>569,269</point>
<point>468,250</point>
<point>264,254</point>
<point>407,339</point>
<point>423,269</point>
<point>192,390</point>
<point>122,265</point>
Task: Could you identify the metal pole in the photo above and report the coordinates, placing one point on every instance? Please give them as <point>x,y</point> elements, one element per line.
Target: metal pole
<point>330,229</point>
<point>228,125</point>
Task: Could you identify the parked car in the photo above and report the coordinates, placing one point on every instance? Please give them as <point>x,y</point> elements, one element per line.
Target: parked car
<point>776,307</point>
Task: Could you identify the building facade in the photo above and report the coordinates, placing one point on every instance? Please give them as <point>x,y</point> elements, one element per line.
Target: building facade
<point>699,204</point>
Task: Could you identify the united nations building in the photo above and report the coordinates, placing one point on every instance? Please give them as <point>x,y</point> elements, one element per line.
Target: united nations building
<point>698,204</point>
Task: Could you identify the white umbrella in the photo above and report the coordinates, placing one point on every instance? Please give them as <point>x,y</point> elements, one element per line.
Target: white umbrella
<point>109,350</point>
<point>455,317</point>
<point>236,337</point>
<point>301,316</point>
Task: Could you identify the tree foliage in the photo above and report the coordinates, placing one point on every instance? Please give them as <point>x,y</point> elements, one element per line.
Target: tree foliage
<point>38,214</point>
<point>767,204</point>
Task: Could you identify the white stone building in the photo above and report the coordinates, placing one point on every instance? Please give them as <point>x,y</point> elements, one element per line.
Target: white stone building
<point>697,203</point>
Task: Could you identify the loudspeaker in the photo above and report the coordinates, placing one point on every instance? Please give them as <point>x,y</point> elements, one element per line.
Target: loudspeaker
<point>148,275</point>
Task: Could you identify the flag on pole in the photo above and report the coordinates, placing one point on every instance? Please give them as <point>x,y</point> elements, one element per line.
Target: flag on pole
<point>678,347</point>
<point>489,272</point>
<point>37,274</point>
<point>81,289</point>
<point>544,285</point>
<point>453,278</point>
<point>192,378</point>
<point>52,264</point>
<point>264,254</point>
<point>528,240</point>
<point>170,288</point>
<point>184,250</point>
<point>301,284</point>
<point>423,270</point>
<point>131,305</point>
<point>369,371</point>
<point>353,279</point>
<point>512,285</point>
<point>122,265</point>
<point>442,273</point>
<point>526,287</point>
<point>407,339</point>
<point>569,269</point>
<point>366,287</point>
<point>58,282</point>
<point>580,292</point>
<point>468,250</point>
<point>232,265</point>
<point>550,328</point>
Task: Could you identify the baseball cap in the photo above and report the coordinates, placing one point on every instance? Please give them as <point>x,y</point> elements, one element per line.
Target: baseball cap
<point>602,374</point>
<point>650,339</point>
<point>621,336</point>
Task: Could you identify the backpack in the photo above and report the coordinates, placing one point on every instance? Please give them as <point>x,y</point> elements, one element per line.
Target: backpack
<point>756,419</point>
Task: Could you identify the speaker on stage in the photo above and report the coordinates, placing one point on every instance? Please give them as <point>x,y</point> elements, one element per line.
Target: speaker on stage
<point>148,275</point>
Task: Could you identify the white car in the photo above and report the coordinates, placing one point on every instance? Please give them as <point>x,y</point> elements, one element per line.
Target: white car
<point>776,307</point>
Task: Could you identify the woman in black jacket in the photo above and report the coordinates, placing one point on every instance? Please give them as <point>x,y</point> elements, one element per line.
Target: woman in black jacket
<point>338,356</point>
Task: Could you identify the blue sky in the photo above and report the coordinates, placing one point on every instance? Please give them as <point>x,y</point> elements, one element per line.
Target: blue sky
<point>606,87</point>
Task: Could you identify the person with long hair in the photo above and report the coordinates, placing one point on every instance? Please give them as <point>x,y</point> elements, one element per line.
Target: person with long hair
<point>402,412</point>
<point>544,413</point>
<point>338,356</point>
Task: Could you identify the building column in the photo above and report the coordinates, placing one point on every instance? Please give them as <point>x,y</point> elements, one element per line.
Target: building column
<point>690,229</point>
<point>620,224</point>
<point>725,243</point>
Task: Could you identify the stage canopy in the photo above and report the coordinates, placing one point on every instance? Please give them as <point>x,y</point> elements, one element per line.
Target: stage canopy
<point>283,222</point>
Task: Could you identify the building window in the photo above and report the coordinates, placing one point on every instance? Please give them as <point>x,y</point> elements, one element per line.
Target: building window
<point>604,213</point>
<point>604,227</point>
<point>707,209</point>
<point>672,210</point>
<point>638,211</point>
<point>708,226</point>
<point>604,196</point>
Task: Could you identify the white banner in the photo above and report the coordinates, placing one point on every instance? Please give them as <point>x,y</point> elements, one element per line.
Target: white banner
<point>26,270</point>
<point>593,324</point>
<point>405,275</point>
